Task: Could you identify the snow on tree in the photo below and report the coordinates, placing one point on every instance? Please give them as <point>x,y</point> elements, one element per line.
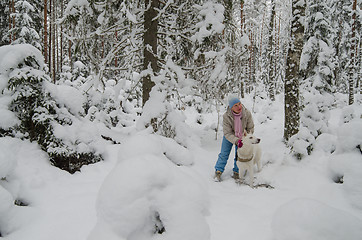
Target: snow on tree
<point>317,61</point>
<point>25,29</point>
<point>42,115</point>
<point>175,81</point>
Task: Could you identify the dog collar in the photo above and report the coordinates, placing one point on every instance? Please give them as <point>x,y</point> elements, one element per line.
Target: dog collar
<point>245,159</point>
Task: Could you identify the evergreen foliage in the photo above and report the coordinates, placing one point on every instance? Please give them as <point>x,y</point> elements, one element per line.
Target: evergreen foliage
<point>317,60</point>
<point>26,29</point>
<point>39,114</point>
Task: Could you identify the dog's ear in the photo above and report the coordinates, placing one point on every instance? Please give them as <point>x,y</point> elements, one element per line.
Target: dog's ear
<point>245,133</point>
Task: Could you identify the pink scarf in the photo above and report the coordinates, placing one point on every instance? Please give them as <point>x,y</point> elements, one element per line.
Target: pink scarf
<point>237,125</point>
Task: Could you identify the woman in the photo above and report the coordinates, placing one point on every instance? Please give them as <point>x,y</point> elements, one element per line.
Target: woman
<point>236,120</point>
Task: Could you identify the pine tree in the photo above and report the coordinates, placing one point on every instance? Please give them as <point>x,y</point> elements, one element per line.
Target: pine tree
<point>345,44</point>
<point>38,113</point>
<point>26,18</point>
<point>318,53</point>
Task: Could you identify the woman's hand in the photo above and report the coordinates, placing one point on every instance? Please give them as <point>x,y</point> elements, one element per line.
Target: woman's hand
<point>239,143</point>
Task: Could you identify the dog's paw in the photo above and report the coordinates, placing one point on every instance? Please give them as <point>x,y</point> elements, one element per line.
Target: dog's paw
<point>238,181</point>
<point>263,185</point>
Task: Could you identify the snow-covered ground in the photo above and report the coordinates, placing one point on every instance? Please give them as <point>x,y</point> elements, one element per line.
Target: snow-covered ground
<point>149,181</point>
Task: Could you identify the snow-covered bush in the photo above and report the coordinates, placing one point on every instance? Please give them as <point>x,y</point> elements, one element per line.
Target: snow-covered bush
<point>348,114</point>
<point>7,157</point>
<point>38,107</point>
<point>149,196</point>
<point>6,207</point>
<point>313,122</point>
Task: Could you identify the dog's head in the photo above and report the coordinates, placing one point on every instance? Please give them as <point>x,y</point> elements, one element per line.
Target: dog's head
<point>250,138</point>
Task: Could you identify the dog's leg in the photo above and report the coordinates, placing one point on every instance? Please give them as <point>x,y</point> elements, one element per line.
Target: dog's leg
<point>239,164</point>
<point>251,175</point>
<point>257,156</point>
<point>258,164</point>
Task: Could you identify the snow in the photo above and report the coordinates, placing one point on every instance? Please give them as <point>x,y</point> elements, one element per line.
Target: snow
<point>212,17</point>
<point>176,196</point>
<point>74,7</point>
<point>13,55</point>
<point>67,96</point>
<point>149,180</point>
<point>8,118</point>
<point>302,218</point>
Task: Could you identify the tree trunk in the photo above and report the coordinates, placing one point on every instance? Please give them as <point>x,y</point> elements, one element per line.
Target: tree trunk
<point>115,58</point>
<point>360,66</point>
<point>53,41</point>
<point>251,57</point>
<point>150,47</point>
<point>50,38</point>
<point>13,7</point>
<point>242,82</point>
<point>242,16</point>
<point>10,21</point>
<point>291,87</point>
<point>271,80</point>
<point>277,57</point>
<point>45,52</point>
<point>61,36</point>
<point>352,67</point>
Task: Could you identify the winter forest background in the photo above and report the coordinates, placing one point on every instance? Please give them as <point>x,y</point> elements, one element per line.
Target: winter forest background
<point>74,73</point>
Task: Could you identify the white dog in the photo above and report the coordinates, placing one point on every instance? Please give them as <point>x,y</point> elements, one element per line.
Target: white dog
<point>248,155</point>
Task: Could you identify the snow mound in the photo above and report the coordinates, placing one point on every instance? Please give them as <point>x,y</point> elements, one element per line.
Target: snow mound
<point>146,196</point>
<point>8,156</point>
<point>326,142</point>
<point>8,118</point>
<point>143,144</point>
<point>309,219</point>
<point>6,206</point>
<point>69,96</point>
<point>349,136</point>
<point>348,166</point>
<point>11,56</point>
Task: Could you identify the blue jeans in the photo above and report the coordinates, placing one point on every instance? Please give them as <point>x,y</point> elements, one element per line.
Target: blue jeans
<point>226,147</point>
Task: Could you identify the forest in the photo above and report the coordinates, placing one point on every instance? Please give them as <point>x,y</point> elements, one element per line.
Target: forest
<point>125,98</point>
<point>188,53</point>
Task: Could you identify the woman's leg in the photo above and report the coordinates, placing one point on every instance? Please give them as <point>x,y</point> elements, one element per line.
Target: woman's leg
<point>236,169</point>
<point>223,155</point>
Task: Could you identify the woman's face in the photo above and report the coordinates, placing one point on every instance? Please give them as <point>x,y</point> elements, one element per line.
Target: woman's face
<point>237,107</point>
